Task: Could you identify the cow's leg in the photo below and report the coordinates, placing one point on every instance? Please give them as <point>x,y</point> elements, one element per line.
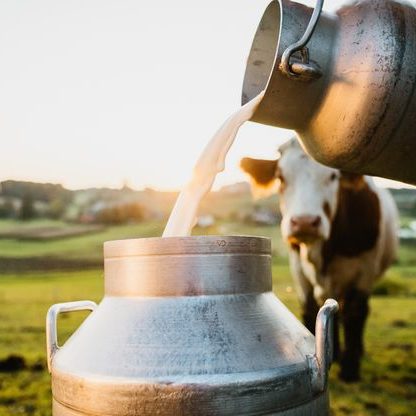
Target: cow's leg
<point>309,312</point>
<point>304,290</point>
<point>310,306</point>
<point>310,309</point>
<point>337,345</point>
<point>355,314</point>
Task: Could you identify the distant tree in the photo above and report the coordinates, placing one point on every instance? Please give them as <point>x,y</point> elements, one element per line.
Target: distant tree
<point>121,214</point>
<point>27,210</point>
<point>57,208</point>
<point>7,210</point>
<point>45,192</point>
<point>412,211</point>
<point>134,212</point>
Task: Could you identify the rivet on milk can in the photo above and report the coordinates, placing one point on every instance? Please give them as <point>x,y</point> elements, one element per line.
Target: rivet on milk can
<point>190,326</point>
<point>344,81</point>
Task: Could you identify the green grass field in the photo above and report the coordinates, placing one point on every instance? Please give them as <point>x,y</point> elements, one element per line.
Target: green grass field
<point>389,368</point>
<point>86,246</point>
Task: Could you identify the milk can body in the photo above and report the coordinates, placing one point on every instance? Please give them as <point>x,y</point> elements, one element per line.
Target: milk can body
<point>189,326</point>
<point>348,90</point>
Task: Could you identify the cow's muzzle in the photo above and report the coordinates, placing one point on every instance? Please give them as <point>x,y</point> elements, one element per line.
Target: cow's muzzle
<point>305,229</point>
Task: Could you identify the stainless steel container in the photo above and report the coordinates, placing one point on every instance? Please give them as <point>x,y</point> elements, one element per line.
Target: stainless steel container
<point>189,326</point>
<point>344,81</point>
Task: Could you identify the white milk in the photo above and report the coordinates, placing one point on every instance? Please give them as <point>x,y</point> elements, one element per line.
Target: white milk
<point>210,163</point>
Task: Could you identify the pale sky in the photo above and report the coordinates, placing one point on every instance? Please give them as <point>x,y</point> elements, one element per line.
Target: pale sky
<point>96,92</point>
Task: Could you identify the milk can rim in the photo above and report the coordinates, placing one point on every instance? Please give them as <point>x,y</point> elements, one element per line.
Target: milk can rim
<point>212,244</point>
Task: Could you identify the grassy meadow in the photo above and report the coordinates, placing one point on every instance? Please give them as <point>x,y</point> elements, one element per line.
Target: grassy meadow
<point>388,386</point>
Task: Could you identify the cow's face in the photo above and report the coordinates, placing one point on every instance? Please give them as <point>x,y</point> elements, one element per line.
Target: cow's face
<point>307,192</point>
<point>308,195</point>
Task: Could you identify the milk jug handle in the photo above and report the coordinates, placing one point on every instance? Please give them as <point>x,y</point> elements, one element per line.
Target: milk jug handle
<point>321,362</point>
<point>51,324</point>
<point>304,70</point>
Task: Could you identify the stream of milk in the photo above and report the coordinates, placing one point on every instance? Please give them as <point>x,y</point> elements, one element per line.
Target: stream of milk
<point>211,162</point>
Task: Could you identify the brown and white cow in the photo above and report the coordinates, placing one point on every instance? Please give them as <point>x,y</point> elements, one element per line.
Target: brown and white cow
<point>341,233</point>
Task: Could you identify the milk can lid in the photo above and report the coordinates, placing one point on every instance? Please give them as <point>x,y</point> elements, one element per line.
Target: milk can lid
<point>187,266</point>
<point>188,245</point>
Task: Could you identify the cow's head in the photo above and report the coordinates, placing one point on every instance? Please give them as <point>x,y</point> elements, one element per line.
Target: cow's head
<point>308,192</point>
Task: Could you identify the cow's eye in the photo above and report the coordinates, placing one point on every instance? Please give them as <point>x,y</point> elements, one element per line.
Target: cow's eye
<point>333,177</point>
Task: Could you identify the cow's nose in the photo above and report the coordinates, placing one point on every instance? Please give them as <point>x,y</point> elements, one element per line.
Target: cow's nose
<point>308,224</point>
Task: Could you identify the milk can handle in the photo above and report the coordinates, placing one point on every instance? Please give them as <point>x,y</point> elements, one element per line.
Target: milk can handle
<point>324,344</point>
<point>51,324</point>
<point>304,70</point>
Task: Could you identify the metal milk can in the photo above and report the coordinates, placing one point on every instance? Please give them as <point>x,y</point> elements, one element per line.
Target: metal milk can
<point>190,326</point>
<point>344,81</point>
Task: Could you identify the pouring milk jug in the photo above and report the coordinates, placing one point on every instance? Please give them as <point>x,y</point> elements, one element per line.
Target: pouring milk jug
<point>344,81</point>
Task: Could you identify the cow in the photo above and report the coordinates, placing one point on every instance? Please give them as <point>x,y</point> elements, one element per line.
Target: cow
<point>341,231</point>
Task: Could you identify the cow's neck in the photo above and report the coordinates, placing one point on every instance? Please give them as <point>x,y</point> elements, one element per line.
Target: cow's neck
<point>355,227</point>
<point>311,253</point>
<point>311,262</point>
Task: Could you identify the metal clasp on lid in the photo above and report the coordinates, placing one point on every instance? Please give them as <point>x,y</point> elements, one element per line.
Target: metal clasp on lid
<point>304,70</point>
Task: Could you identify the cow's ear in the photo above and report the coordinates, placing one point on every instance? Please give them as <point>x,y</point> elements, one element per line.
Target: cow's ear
<point>263,174</point>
